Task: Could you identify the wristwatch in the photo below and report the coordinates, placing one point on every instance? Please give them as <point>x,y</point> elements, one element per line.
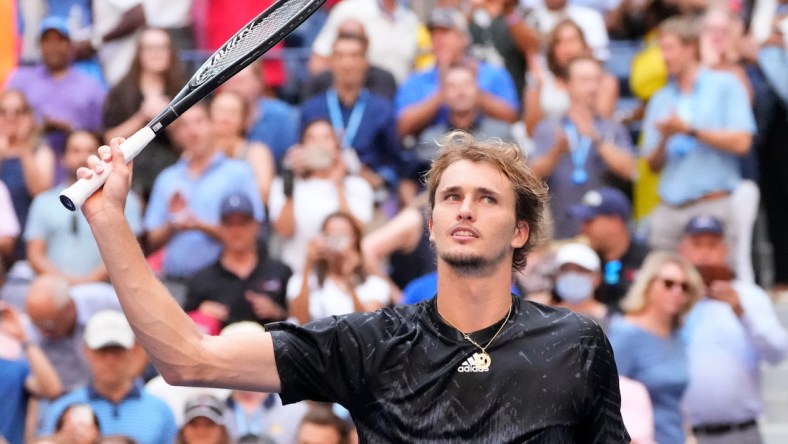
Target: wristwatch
<point>692,132</point>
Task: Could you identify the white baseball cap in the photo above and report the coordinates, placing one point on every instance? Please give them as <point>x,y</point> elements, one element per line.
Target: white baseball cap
<point>107,328</point>
<point>578,254</point>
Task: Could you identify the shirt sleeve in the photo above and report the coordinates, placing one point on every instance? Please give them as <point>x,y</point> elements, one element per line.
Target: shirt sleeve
<point>320,361</point>
<point>544,138</point>
<point>650,134</point>
<point>603,422</point>
<point>498,82</point>
<point>761,324</point>
<point>156,212</point>
<point>738,110</point>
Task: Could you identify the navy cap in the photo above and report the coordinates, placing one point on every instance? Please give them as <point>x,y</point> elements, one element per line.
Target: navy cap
<point>237,203</point>
<point>604,201</point>
<point>54,23</point>
<point>704,225</point>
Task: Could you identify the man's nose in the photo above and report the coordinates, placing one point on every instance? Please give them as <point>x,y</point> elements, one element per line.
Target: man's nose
<point>466,211</point>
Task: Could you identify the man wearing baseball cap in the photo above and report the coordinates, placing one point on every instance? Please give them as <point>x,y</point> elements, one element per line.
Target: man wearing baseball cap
<point>63,98</point>
<point>243,284</point>
<point>577,279</point>
<point>729,333</point>
<point>604,215</point>
<point>419,101</point>
<point>114,393</point>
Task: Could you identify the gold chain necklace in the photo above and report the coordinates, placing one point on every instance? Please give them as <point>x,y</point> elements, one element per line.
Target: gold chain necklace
<point>483,359</point>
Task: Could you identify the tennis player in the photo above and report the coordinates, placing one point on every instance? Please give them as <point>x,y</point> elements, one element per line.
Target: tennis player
<point>472,364</point>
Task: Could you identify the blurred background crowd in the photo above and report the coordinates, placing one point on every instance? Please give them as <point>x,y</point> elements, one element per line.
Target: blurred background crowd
<point>294,193</point>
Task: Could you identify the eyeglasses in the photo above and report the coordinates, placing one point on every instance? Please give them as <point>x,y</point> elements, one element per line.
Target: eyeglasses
<point>670,284</point>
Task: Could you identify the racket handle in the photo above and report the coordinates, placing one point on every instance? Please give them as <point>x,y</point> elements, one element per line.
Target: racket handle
<point>74,196</point>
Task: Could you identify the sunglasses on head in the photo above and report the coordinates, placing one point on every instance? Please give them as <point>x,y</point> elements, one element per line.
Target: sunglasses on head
<point>671,283</point>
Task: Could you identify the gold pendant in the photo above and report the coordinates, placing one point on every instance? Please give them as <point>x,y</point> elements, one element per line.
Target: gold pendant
<point>482,359</point>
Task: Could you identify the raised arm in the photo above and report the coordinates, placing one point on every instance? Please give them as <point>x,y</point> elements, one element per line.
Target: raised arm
<point>181,353</point>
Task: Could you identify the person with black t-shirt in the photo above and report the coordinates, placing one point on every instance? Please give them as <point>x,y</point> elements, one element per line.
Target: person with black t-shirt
<point>604,214</point>
<point>472,364</point>
<point>243,285</point>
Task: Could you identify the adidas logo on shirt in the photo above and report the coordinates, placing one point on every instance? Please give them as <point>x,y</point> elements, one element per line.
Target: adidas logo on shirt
<point>473,365</point>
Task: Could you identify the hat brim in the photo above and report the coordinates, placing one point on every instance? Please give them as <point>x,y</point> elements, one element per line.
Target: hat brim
<point>581,212</point>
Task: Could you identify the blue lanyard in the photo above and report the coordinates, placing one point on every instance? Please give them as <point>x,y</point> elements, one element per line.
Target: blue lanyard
<point>579,148</point>
<point>348,133</point>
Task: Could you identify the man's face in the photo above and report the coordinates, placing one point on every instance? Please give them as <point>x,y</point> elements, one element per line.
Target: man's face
<point>599,229</point>
<point>311,433</point>
<point>53,323</point>
<point>584,79</point>
<point>110,365</point>
<point>349,62</point>
<point>238,232</point>
<point>78,148</point>
<point>193,132</point>
<point>460,90</point>
<point>473,221</point>
<point>676,54</point>
<point>704,249</point>
<point>448,45</point>
<point>55,50</point>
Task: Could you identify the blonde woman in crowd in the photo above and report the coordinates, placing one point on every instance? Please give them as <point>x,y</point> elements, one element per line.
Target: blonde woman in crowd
<point>231,116</point>
<point>647,342</point>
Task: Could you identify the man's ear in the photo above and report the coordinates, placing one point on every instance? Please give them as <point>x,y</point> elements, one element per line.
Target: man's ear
<point>429,226</point>
<point>521,233</point>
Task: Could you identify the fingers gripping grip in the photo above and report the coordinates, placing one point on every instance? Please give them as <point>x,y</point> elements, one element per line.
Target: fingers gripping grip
<point>74,196</point>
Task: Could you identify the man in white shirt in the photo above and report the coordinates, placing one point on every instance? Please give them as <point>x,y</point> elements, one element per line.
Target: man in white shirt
<point>728,334</point>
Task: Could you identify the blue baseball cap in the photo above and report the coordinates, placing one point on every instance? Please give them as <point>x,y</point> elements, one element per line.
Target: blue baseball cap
<point>237,203</point>
<point>604,201</point>
<point>56,24</point>
<point>704,225</point>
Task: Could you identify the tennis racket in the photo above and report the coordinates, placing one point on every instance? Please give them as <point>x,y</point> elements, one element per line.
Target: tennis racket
<point>252,41</point>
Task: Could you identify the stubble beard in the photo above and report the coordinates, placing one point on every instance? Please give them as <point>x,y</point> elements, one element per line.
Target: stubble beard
<point>473,264</point>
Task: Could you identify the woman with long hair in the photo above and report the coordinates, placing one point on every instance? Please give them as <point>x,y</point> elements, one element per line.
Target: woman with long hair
<point>545,95</point>
<point>27,163</point>
<point>231,117</point>
<point>647,342</point>
<point>155,77</point>
<point>334,280</point>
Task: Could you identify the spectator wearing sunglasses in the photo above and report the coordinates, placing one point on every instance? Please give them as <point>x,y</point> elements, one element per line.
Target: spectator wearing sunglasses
<point>647,342</point>
<point>734,327</point>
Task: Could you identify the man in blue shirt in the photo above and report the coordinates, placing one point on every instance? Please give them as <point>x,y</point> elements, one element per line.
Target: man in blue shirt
<point>694,132</point>
<point>122,406</point>
<point>419,100</point>
<point>729,333</point>
<point>183,210</point>
<point>363,121</point>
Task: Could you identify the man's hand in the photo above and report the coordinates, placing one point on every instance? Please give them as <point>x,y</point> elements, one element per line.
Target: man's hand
<point>215,310</point>
<point>561,145</point>
<point>11,323</point>
<point>672,125</point>
<point>723,291</point>
<point>112,196</point>
<point>264,307</point>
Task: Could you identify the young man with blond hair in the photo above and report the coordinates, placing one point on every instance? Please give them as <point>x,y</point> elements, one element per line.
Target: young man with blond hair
<point>472,364</point>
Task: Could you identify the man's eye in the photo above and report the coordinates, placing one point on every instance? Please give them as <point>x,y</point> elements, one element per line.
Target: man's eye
<point>489,200</point>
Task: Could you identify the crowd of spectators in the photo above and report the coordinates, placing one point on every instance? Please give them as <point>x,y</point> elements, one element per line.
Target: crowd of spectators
<point>293,193</point>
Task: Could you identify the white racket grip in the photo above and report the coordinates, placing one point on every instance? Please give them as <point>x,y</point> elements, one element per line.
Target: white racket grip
<point>74,196</point>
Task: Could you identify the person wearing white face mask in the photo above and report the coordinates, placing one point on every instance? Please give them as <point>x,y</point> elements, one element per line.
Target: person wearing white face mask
<point>577,278</point>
